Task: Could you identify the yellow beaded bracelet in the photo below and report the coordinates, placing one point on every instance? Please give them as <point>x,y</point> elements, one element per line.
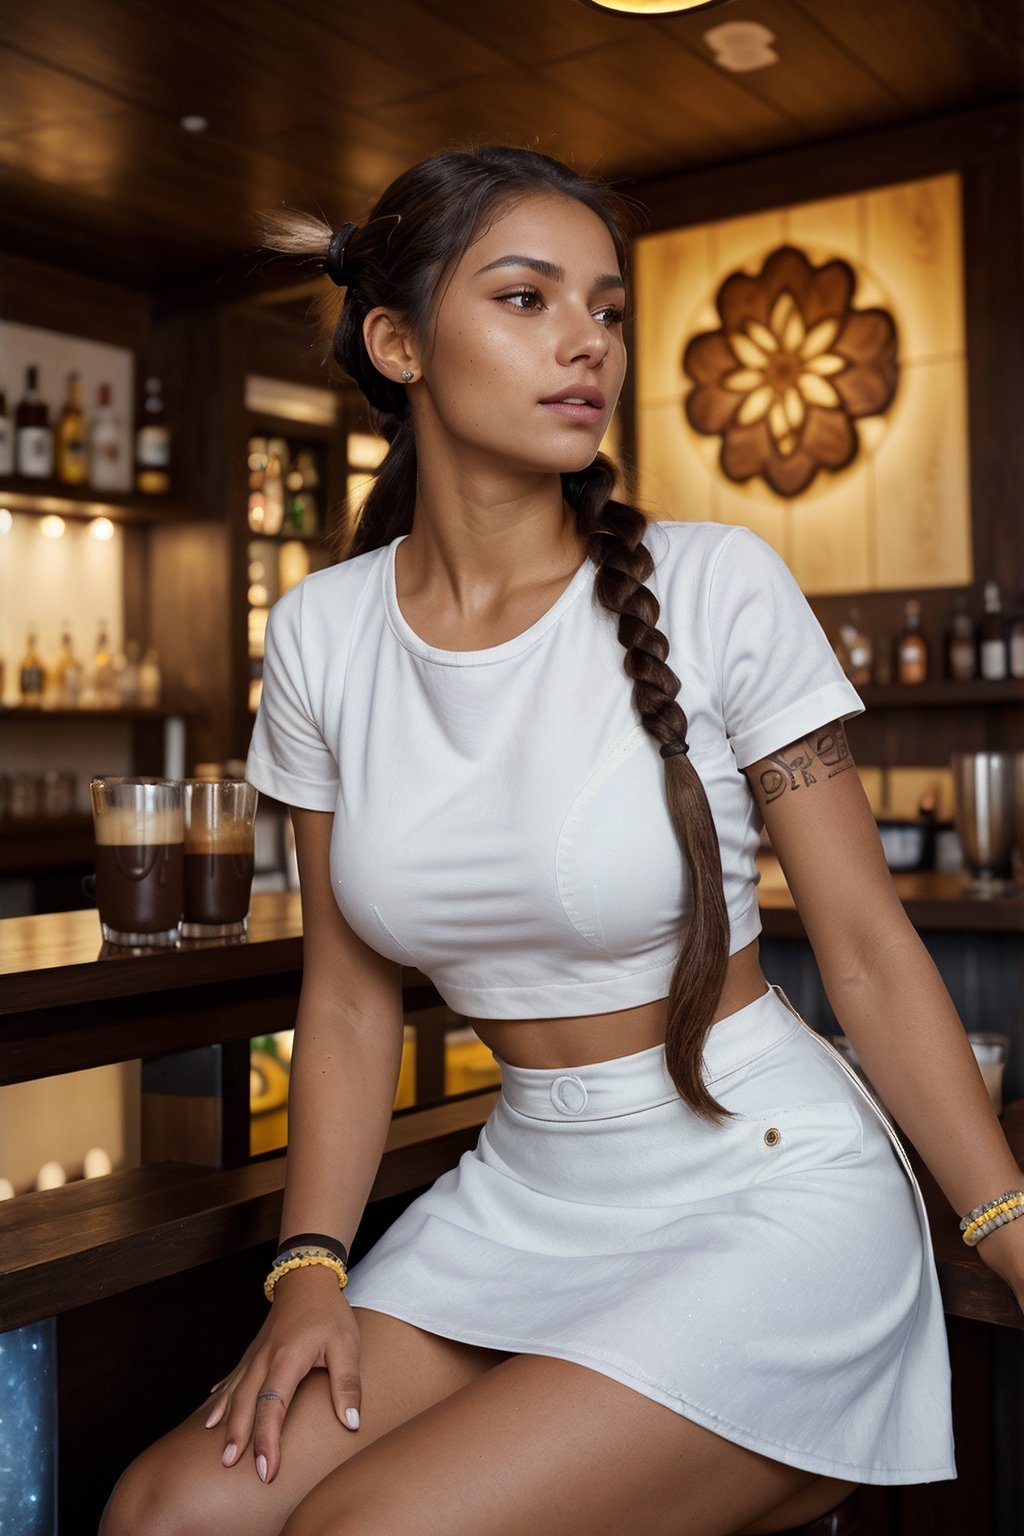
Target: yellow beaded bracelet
<point>327,1259</point>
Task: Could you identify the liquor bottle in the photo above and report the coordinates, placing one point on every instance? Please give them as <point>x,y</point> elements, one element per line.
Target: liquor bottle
<point>128,675</point>
<point>104,689</point>
<point>961,647</point>
<point>912,651</point>
<point>857,651</point>
<point>106,445</point>
<point>992,635</point>
<point>72,459</point>
<point>69,676</point>
<point>33,435</point>
<point>150,680</point>
<point>1016,646</point>
<point>152,444</point>
<point>273,485</point>
<point>32,679</point>
<point>6,439</point>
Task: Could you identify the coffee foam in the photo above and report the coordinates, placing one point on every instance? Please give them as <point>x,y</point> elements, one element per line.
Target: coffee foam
<point>226,837</point>
<point>122,827</point>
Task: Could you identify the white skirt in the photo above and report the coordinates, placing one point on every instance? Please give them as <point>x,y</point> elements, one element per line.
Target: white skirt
<point>769,1277</point>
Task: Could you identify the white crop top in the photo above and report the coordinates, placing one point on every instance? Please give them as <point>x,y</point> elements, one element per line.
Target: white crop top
<point>500,818</point>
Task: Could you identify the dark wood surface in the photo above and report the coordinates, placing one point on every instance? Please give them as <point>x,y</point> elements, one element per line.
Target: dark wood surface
<point>631,97</point>
<point>67,1247</point>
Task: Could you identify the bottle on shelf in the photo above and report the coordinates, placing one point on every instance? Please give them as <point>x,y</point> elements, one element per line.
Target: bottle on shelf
<point>961,644</point>
<point>103,688</point>
<point>856,652</point>
<point>1016,639</point>
<point>992,636</point>
<point>69,676</point>
<point>273,485</point>
<point>128,675</point>
<point>71,442</point>
<point>302,482</point>
<point>152,444</point>
<point>6,438</point>
<point>106,445</point>
<point>32,677</point>
<point>33,435</point>
<point>912,650</point>
<point>150,680</point>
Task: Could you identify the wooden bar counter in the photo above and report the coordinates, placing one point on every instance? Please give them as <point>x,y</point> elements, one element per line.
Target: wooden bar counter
<point>69,1002</point>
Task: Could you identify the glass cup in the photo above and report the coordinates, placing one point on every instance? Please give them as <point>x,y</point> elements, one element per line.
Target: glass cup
<point>139,834</point>
<point>990,1052</point>
<point>219,819</point>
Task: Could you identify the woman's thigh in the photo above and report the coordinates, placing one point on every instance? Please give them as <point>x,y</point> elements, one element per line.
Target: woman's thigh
<point>179,1487</point>
<point>543,1447</point>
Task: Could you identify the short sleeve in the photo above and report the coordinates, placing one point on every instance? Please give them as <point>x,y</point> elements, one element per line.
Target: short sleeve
<point>778,676</point>
<point>288,757</point>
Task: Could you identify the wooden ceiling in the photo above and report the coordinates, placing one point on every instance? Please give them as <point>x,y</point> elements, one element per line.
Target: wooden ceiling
<point>318,103</point>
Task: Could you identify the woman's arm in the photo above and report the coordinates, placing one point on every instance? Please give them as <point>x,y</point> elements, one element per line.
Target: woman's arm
<point>348,1049</point>
<point>882,984</point>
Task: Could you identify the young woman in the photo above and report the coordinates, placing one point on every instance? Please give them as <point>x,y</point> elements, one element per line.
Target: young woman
<point>683,1283</point>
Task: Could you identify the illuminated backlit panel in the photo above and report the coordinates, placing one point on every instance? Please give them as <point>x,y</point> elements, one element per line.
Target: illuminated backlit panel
<point>877,497</point>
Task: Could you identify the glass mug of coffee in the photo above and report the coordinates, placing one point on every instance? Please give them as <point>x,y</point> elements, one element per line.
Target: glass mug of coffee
<point>219,816</point>
<point>139,834</point>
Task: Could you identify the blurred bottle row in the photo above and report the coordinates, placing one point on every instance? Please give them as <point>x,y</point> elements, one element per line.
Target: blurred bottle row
<point>111,679</point>
<point>80,446</point>
<point>990,646</point>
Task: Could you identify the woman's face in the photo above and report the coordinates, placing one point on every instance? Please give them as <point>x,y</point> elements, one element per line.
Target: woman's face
<point>524,359</point>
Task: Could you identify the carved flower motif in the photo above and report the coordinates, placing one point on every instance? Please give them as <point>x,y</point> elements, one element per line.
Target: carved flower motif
<point>793,366</point>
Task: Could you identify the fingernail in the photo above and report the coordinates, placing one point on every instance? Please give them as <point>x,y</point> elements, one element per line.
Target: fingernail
<point>261,1468</point>
<point>230,1452</point>
<point>352,1418</point>
<point>211,1421</point>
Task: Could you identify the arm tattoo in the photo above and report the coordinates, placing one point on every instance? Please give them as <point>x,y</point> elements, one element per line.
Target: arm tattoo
<point>823,754</point>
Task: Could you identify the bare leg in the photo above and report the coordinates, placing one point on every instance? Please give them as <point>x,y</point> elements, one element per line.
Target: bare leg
<point>540,1447</point>
<point>179,1488</point>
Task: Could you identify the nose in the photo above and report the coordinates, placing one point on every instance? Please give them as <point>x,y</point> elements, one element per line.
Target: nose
<point>585,340</point>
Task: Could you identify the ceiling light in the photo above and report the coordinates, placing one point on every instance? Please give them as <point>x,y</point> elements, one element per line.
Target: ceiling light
<point>740,46</point>
<point>101,528</point>
<point>653,7</point>
<point>194,122</point>
<point>52,527</point>
<point>6,520</point>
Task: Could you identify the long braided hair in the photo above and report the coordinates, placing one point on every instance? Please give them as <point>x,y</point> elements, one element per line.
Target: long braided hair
<point>399,258</point>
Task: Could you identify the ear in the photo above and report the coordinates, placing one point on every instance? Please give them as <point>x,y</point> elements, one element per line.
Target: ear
<point>390,345</point>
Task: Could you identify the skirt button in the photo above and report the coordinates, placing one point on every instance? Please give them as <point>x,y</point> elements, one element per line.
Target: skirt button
<point>569,1095</point>
<point>772,1136</point>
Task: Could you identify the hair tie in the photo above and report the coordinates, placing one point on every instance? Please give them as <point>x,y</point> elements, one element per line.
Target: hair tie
<point>334,261</point>
<point>671,748</point>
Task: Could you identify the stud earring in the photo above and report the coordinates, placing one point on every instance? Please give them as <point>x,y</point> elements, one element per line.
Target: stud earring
<point>406,375</point>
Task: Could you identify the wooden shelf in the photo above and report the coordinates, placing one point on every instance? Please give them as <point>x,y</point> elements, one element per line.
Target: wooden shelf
<point>41,497</point>
<point>978,694</point>
<point>132,714</point>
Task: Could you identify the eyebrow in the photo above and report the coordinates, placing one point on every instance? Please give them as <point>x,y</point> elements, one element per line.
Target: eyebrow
<point>549,270</point>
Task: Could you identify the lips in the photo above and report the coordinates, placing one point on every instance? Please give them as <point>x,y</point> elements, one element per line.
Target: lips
<point>582,394</point>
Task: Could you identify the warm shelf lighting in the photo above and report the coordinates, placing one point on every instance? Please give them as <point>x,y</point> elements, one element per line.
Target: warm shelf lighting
<point>52,527</point>
<point>652,7</point>
<point>6,520</point>
<point>101,529</point>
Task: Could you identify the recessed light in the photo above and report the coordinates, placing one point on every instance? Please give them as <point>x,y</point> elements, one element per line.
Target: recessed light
<point>194,122</point>
<point>740,46</point>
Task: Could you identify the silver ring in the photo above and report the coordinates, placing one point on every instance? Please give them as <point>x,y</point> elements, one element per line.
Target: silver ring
<point>269,1397</point>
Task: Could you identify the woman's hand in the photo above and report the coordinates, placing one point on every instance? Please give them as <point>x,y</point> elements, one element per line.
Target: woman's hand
<point>1003,1252</point>
<point>310,1327</point>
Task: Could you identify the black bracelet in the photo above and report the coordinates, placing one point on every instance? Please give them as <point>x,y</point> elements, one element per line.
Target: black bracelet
<point>315,1240</point>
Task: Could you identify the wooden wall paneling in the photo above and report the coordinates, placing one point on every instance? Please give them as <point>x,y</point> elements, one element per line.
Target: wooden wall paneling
<point>57,299</point>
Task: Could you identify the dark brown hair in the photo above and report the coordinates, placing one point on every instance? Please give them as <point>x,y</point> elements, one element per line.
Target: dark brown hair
<point>399,258</point>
